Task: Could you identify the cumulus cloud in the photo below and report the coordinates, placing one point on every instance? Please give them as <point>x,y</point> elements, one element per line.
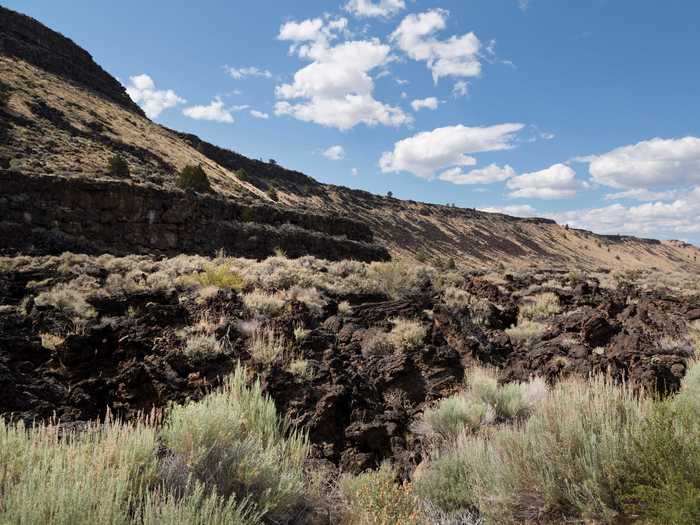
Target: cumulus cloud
<point>648,164</point>
<point>142,90</point>
<point>243,72</point>
<point>214,111</point>
<point>642,194</point>
<point>368,8</point>
<point>427,103</point>
<point>517,210</point>
<point>675,218</point>
<point>457,56</point>
<point>335,153</point>
<point>488,175</point>
<point>430,151</point>
<point>259,114</point>
<point>556,182</point>
<point>354,172</point>
<point>335,89</point>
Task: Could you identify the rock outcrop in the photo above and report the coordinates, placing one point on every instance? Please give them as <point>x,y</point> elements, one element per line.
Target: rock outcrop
<point>50,215</point>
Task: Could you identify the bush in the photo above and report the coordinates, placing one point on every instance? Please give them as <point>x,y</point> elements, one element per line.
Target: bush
<point>193,178</point>
<point>233,443</point>
<point>525,331</point>
<point>567,459</point>
<point>118,167</point>
<point>199,347</point>
<point>266,345</point>
<point>540,306</point>
<point>406,334</point>
<point>374,497</point>
<point>263,303</point>
<point>272,193</point>
<point>242,175</point>
<point>221,276</point>
<point>454,414</point>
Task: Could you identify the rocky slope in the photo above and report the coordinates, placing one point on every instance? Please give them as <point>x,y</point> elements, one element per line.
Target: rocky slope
<point>66,117</point>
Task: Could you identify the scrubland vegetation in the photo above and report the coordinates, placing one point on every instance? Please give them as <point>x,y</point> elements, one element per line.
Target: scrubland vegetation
<point>580,449</point>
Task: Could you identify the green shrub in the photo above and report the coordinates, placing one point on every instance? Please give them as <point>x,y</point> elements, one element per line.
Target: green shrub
<point>221,276</point>
<point>375,498</point>
<point>242,175</point>
<point>118,167</point>
<point>232,441</point>
<point>193,178</point>
<point>272,193</point>
<point>454,414</point>
<point>566,460</point>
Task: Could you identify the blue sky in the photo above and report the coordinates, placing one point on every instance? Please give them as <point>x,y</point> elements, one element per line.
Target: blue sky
<point>587,111</point>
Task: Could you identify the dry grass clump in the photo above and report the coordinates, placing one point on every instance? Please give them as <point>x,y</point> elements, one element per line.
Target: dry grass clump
<point>399,279</point>
<point>540,306</point>
<point>262,303</point>
<point>406,334</point>
<point>375,497</point>
<point>265,345</point>
<point>219,276</point>
<point>525,331</point>
<point>694,336</point>
<point>344,308</point>
<point>51,341</point>
<point>199,346</point>
<point>301,368</point>
<point>311,297</point>
<point>300,333</point>
<point>67,300</point>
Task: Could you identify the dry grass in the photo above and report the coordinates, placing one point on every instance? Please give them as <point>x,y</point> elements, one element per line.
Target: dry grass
<point>540,306</point>
<point>263,303</point>
<point>525,331</point>
<point>266,345</point>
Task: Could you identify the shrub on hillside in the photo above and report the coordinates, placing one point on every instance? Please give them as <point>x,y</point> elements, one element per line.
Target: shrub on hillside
<point>118,167</point>
<point>193,178</point>
<point>272,193</point>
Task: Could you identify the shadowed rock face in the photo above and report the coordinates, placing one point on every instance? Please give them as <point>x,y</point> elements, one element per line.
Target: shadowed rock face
<point>25,38</point>
<point>50,215</point>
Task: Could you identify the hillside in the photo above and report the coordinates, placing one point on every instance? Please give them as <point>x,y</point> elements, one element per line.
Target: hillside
<point>65,117</point>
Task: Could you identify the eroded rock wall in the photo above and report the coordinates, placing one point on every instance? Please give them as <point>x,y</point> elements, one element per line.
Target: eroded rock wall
<point>50,215</point>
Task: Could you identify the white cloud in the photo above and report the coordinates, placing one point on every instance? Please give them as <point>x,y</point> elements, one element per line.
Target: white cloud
<point>642,194</point>
<point>487,175</point>
<point>457,56</point>
<point>556,182</point>
<point>425,153</point>
<point>243,72</point>
<point>335,153</point>
<point>428,103</point>
<point>336,88</point>
<point>215,112</point>
<point>647,164</point>
<point>259,114</point>
<point>523,4</point>
<point>517,210</point>
<point>649,219</point>
<point>460,89</point>
<point>354,172</point>
<point>368,8</point>
<point>142,90</point>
